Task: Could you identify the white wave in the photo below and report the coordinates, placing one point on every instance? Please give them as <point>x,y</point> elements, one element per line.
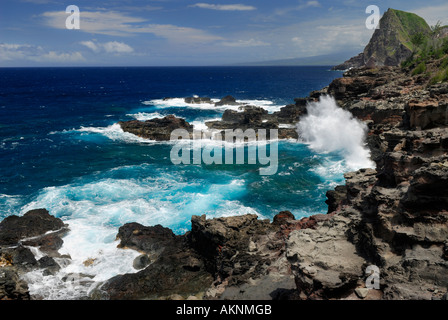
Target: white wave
<point>331,170</point>
<point>180,102</point>
<point>329,128</point>
<point>200,124</point>
<point>96,209</point>
<point>8,204</point>
<point>116,133</point>
<point>207,137</point>
<point>143,116</point>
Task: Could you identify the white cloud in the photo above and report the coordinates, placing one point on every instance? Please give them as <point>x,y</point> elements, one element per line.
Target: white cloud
<point>117,47</point>
<point>53,56</point>
<point>297,40</point>
<point>91,45</point>
<point>180,34</point>
<point>12,51</point>
<point>118,24</point>
<point>246,43</point>
<point>224,7</point>
<point>96,22</point>
<point>109,47</point>
<point>308,4</point>
<point>433,14</point>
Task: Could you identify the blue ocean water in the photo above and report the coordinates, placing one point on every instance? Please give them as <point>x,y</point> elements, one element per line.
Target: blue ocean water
<point>53,135</point>
<point>60,149</point>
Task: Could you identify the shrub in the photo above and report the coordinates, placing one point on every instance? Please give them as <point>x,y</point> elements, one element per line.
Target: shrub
<point>441,76</point>
<point>445,45</point>
<point>419,69</point>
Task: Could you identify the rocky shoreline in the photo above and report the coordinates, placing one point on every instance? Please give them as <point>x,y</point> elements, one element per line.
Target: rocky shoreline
<point>394,217</point>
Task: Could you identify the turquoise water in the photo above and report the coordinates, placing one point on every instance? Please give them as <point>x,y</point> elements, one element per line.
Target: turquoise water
<point>60,149</point>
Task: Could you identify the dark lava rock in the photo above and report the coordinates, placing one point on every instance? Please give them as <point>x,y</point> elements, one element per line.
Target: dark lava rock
<point>282,217</point>
<point>156,129</point>
<point>176,268</point>
<point>227,101</point>
<point>20,257</point>
<point>11,286</point>
<point>49,264</point>
<point>147,239</point>
<point>31,224</point>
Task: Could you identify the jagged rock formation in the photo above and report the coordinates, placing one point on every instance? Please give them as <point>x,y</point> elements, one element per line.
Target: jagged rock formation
<point>227,258</point>
<point>156,129</point>
<point>36,228</point>
<point>394,217</point>
<point>391,43</point>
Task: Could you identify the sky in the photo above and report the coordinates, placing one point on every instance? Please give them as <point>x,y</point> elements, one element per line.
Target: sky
<point>189,32</point>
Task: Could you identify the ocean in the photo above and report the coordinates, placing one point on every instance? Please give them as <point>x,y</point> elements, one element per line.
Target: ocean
<point>61,149</point>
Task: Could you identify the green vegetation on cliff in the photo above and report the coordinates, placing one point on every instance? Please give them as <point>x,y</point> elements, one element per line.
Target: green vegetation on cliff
<point>408,25</point>
<point>430,55</point>
<point>396,39</point>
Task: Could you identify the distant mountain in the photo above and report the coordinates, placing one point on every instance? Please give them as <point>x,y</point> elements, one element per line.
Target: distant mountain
<point>393,42</point>
<point>321,60</point>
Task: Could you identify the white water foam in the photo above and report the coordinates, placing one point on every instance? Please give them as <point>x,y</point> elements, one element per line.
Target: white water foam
<point>94,211</point>
<point>143,116</point>
<point>180,102</point>
<point>114,132</point>
<point>329,128</point>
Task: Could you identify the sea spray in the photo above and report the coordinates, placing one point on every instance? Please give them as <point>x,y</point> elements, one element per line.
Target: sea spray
<point>329,128</point>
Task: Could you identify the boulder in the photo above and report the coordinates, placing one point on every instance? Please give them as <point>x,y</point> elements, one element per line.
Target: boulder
<point>227,101</point>
<point>31,224</point>
<point>156,129</point>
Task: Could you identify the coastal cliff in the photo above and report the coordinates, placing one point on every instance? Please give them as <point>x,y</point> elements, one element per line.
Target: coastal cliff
<point>393,217</point>
<point>392,42</point>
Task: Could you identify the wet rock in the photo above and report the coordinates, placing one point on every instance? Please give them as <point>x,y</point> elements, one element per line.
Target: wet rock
<point>31,224</point>
<point>227,101</point>
<point>146,239</point>
<point>158,129</point>
<point>177,271</point>
<point>49,264</point>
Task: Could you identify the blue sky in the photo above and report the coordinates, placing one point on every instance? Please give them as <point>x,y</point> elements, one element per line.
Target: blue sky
<point>188,32</point>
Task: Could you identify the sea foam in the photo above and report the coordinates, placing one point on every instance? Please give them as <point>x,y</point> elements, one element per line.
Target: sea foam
<point>328,128</point>
<point>270,106</point>
<point>96,206</point>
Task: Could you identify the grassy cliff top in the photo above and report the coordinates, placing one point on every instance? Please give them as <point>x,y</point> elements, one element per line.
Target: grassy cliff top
<point>407,25</point>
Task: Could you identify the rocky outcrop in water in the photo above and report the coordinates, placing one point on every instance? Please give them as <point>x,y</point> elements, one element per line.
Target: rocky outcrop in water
<point>156,129</point>
<point>227,101</point>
